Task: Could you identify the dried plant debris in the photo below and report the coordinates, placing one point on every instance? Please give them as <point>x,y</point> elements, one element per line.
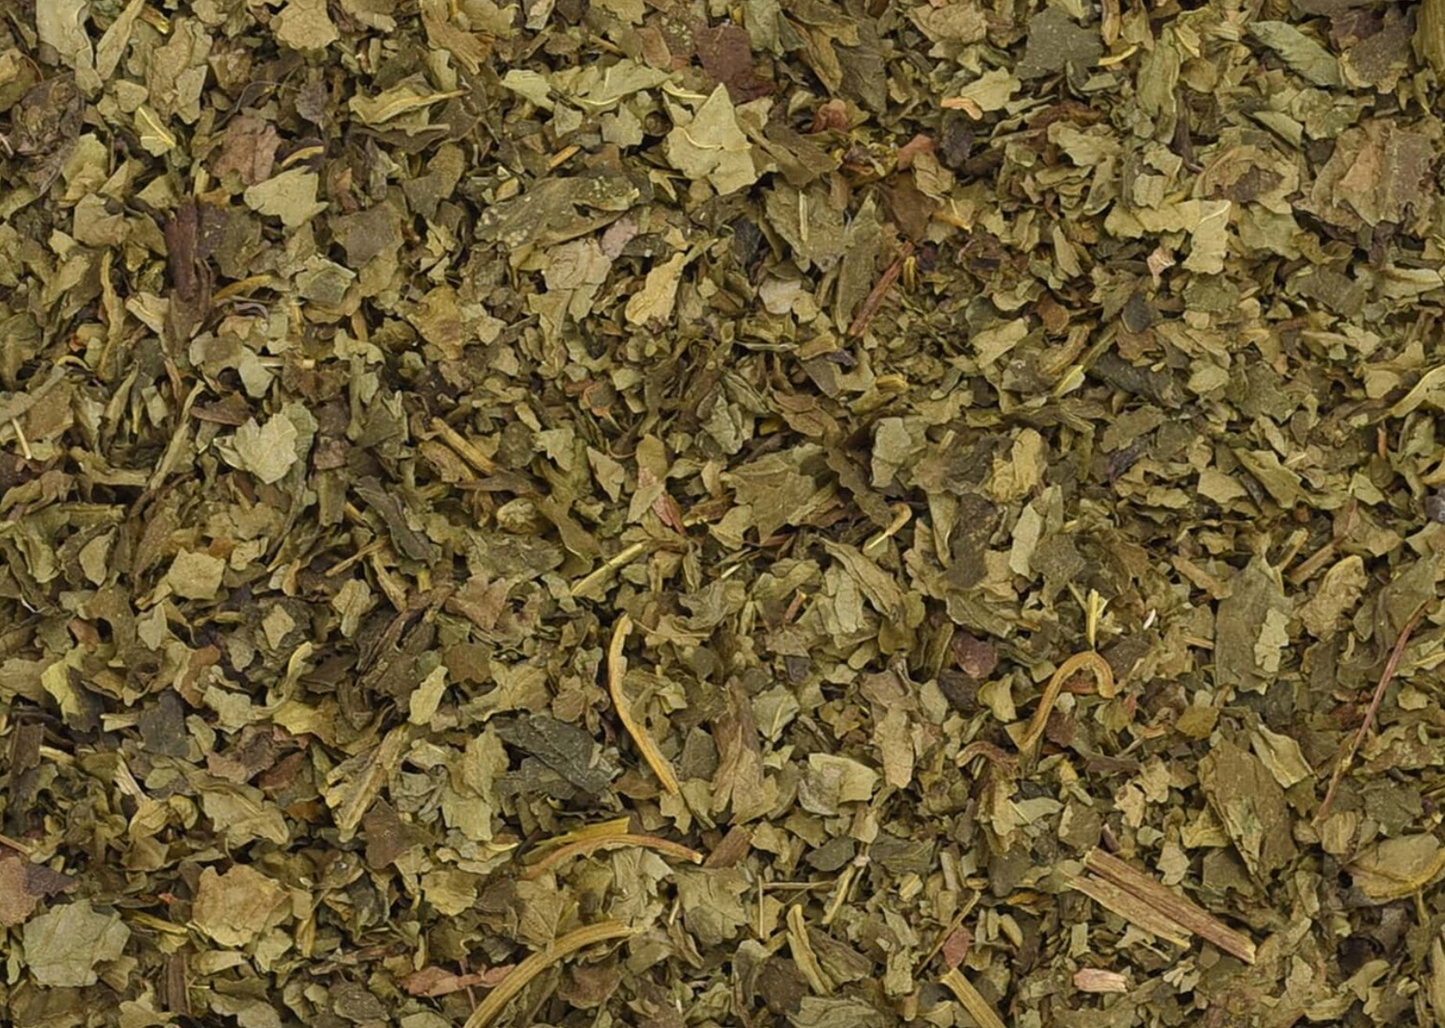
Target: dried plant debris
<point>813,514</point>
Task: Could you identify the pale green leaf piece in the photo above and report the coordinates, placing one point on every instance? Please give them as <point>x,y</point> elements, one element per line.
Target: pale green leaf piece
<point>267,451</point>
<point>195,576</point>
<point>290,196</point>
<point>1304,56</point>
<point>713,147</point>
<point>235,907</point>
<point>64,945</point>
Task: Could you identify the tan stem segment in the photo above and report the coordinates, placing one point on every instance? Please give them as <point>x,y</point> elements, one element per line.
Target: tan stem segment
<point>490,1008</point>
<point>616,667</point>
<point>1103,674</point>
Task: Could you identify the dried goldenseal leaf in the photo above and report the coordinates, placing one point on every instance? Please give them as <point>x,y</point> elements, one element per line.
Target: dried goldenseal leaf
<point>1394,868</point>
<point>368,370</point>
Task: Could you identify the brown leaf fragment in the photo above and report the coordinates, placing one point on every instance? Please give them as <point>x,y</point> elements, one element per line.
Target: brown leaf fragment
<point>726,54</point>
<point>1251,805</point>
<point>1377,173</point>
<point>734,847</point>
<point>249,150</point>
<point>23,885</point>
<point>433,982</point>
<point>387,835</point>
<point>976,657</point>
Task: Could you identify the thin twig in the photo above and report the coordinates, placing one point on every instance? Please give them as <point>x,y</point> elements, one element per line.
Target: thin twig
<point>902,514</point>
<point>978,1008</point>
<point>1103,674</point>
<point>464,447</point>
<point>607,842</point>
<point>16,845</point>
<point>1348,757</point>
<point>616,667</point>
<point>875,299</point>
<point>498,998</point>
<point>1131,906</point>
<point>802,950</point>
<point>621,557</point>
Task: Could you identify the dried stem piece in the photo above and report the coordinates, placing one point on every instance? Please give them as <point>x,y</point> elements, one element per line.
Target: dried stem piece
<point>1183,912</point>
<point>609,829</point>
<point>16,845</point>
<point>1103,674</point>
<point>902,514</point>
<point>616,667</point>
<point>1094,979</point>
<point>580,938</point>
<point>803,954</point>
<point>1348,757</point>
<point>609,842</point>
<point>1132,907</point>
<point>464,447</point>
<point>874,299</point>
<point>623,556</point>
<point>978,1008</point>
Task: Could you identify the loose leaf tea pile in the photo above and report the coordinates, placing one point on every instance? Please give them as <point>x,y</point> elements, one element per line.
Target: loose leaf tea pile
<point>777,513</point>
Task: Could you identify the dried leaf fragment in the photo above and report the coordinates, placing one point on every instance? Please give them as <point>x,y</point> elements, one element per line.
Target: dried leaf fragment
<point>237,906</point>
<point>713,147</point>
<point>658,296</point>
<point>267,451</point>
<point>1394,868</point>
<point>62,946</point>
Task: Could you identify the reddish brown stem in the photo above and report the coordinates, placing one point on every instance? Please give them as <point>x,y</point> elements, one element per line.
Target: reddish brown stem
<point>1391,666</point>
<point>874,300</point>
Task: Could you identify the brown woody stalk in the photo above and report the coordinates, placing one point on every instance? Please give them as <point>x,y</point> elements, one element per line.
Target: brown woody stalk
<point>874,300</point>
<point>1176,908</point>
<point>1132,908</point>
